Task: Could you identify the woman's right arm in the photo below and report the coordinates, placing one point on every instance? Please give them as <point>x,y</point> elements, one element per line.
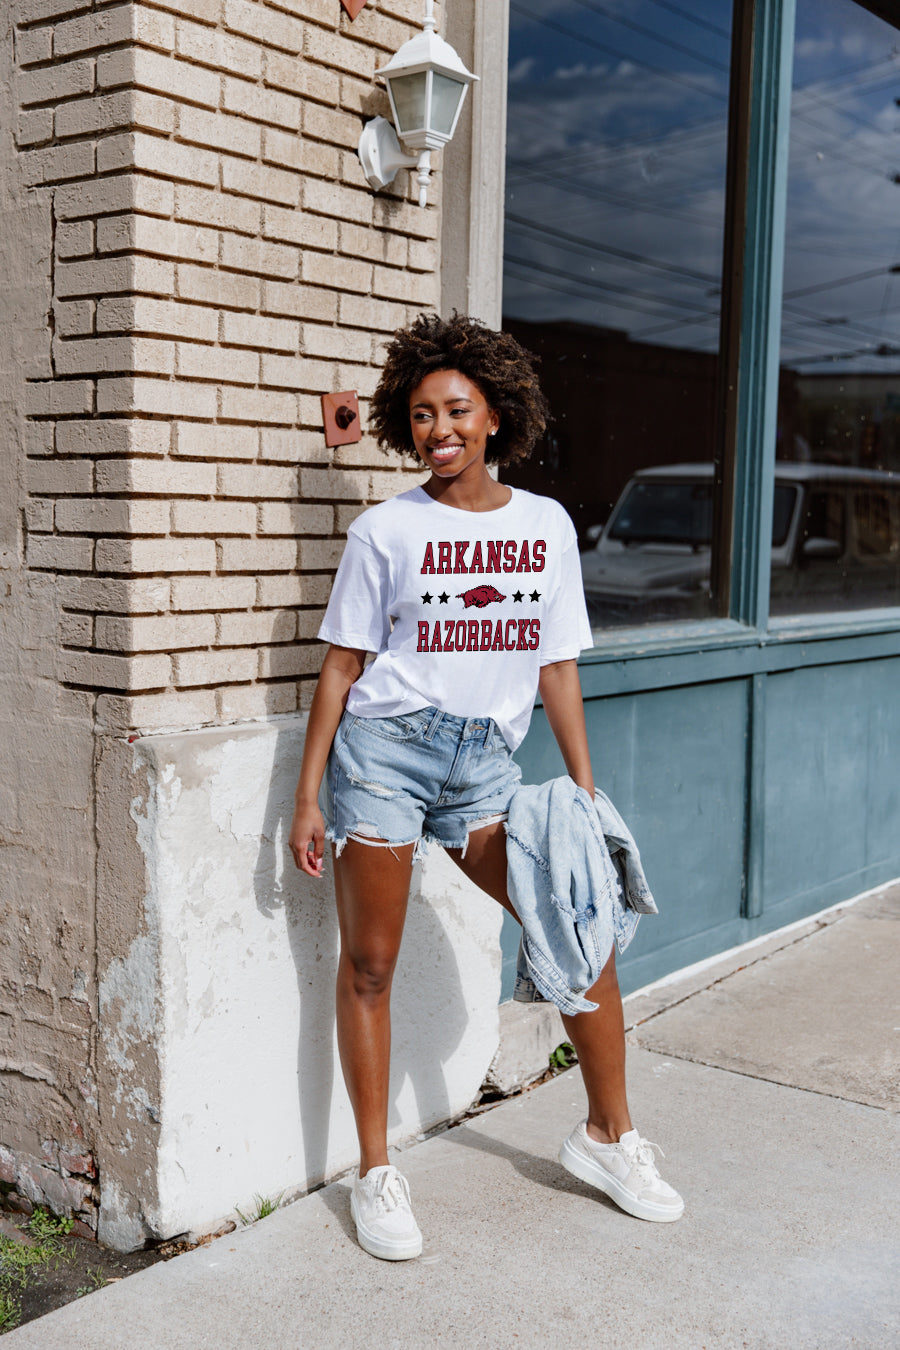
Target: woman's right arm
<point>341,669</point>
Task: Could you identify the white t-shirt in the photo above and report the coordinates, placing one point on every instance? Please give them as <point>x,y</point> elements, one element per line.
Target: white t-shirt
<point>462,608</point>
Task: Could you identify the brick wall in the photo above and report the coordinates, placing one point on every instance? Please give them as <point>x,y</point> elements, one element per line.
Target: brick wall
<point>190,257</point>
<point>218,262</point>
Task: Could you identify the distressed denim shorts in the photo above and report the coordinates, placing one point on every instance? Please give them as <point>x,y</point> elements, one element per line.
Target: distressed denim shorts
<point>423,776</point>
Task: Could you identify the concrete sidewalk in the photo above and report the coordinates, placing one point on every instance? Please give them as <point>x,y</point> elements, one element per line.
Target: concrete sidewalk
<point>770,1078</point>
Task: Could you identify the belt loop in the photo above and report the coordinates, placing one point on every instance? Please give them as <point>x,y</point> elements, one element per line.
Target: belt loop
<point>434,724</point>
<point>488,735</point>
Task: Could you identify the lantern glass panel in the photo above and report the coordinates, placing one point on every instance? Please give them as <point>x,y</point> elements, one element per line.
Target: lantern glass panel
<point>445,100</point>
<point>410,104</point>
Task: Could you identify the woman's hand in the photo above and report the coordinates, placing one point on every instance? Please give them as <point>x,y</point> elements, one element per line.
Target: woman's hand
<point>340,669</point>
<point>307,838</point>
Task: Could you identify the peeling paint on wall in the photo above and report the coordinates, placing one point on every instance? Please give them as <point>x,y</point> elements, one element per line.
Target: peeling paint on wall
<point>131,1012</point>
<point>251,1100</point>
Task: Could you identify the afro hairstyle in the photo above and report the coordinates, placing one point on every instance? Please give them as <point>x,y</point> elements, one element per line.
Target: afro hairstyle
<point>503,370</point>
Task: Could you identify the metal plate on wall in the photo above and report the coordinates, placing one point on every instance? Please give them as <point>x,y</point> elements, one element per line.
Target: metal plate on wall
<point>341,415</point>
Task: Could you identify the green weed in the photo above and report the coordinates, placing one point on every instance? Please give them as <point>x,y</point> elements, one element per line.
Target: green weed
<point>10,1311</point>
<point>262,1207</point>
<point>563,1057</point>
<point>96,1279</point>
<point>43,1225</point>
<point>17,1261</point>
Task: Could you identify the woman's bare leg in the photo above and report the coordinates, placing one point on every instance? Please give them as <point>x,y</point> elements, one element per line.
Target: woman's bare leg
<point>598,1037</point>
<point>372,888</point>
<point>599,1041</point>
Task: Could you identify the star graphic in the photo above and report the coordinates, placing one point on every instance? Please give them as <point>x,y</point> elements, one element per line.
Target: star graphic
<point>517,596</point>
<point>443,597</point>
<point>535,595</point>
<point>426,599</point>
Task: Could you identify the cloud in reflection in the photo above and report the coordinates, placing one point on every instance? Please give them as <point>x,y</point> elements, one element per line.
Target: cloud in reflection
<point>616,174</point>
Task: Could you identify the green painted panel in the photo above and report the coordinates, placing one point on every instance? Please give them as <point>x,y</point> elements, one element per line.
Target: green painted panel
<point>823,810</point>
<point>674,763</point>
<point>832,801</point>
<point>883,784</point>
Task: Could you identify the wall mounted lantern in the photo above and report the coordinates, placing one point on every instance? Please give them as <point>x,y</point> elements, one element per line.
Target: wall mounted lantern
<point>426,83</point>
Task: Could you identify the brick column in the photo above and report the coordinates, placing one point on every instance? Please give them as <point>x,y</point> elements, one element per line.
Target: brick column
<point>192,258</point>
<point>218,263</point>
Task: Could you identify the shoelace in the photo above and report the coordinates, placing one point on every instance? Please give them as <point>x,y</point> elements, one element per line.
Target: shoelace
<point>391,1192</point>
<point>644,1160</point>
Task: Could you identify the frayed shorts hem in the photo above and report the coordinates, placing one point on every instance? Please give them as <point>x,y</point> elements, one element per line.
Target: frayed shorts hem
<point>360,835</point>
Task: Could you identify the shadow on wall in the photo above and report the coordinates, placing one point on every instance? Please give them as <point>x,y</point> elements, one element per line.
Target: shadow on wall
<point>429,1004</point>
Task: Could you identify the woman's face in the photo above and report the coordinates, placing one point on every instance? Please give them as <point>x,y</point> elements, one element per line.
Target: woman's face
<point>451,422</point>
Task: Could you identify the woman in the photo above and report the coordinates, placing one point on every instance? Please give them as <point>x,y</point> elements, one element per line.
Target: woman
<point>469,594</point>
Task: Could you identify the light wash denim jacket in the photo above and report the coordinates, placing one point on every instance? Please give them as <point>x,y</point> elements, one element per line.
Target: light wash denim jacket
<point>575,879</point>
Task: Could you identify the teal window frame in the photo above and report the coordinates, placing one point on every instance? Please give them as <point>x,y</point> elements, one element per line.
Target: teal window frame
<point>753,267</point>
<point>762,73</point>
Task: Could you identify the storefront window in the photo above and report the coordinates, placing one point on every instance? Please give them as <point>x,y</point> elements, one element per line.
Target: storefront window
<point>839,392</point>
<point>616,161</point>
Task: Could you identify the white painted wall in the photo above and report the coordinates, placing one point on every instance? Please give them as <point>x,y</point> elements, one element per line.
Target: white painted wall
<point>251,1098</point>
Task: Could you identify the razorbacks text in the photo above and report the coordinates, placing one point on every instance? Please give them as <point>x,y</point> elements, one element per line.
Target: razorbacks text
<point>479,635</point>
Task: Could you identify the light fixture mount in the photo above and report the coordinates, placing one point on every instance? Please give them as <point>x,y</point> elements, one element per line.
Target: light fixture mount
<point>426,84</point>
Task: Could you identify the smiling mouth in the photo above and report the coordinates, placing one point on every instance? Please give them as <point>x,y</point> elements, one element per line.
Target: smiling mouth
<point>445,452</point>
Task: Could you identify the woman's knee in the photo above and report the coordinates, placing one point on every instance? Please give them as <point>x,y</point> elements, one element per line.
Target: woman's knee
<point>368,973</point>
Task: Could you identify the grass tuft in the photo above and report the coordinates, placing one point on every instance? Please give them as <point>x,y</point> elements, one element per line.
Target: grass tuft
<point>262,1208</point>
<point>10,1310</point>
<point>96,1280</point>
<point>17,1261</point>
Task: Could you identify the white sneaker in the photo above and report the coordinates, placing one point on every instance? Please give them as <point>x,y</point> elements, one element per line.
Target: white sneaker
<point>625,1171</point>
<point>385,1227</point>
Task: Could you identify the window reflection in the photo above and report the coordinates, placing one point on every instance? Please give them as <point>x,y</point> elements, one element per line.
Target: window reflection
<point>839,394</point>
<point>841,550</point>
<point>616,159</point>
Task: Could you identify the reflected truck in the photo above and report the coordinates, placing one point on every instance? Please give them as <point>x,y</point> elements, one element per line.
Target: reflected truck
<point>835,544</point>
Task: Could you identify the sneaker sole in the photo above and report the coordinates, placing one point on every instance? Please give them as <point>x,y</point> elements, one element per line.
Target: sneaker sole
<point>585,1170</point>
<point>403,1249</point>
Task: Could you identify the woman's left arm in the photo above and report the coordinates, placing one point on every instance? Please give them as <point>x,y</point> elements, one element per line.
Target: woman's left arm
<point>560,690</point>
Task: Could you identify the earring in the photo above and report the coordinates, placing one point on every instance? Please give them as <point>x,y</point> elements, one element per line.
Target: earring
<point>493,433</point>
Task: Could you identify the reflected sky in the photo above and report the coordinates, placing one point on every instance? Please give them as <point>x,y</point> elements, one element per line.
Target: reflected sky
<point>841,298</point>
<point>616,165</point>
<point>616,175</point>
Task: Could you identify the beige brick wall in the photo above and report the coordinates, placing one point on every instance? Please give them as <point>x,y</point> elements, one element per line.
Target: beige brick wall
<point>218,262</point>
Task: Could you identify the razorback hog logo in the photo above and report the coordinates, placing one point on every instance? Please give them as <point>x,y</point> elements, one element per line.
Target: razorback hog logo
<point>481,596</point>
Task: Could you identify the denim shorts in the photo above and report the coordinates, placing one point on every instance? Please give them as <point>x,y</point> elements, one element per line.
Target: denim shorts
<point>425,776</point>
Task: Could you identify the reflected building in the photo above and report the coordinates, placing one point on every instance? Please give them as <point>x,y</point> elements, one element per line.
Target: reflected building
<point>841,418</point>
<point>618,406</point>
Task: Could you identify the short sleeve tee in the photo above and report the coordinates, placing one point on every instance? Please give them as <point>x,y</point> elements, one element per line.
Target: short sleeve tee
<point>461,608</point>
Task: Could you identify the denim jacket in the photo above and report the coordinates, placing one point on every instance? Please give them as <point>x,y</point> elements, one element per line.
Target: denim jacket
<point>575,879</point>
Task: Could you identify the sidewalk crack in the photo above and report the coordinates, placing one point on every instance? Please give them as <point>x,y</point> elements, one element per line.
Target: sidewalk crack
<point>760,1077</point>
<point>821,925</point>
